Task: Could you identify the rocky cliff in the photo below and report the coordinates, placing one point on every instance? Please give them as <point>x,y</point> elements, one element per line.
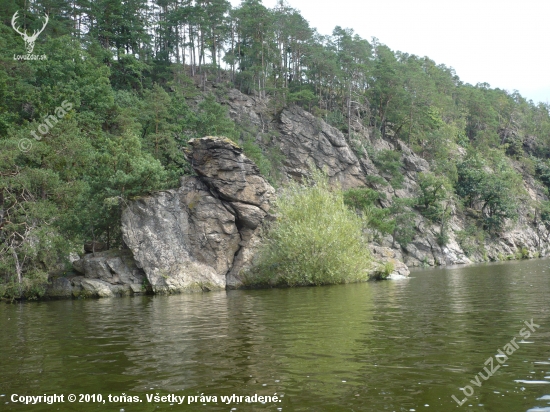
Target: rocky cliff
<point>198,237</point>
<point>304,139</point>
<point>204,234</point>
<point>201,235</point>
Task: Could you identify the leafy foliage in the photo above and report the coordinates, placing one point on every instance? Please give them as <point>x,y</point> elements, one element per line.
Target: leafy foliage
<point>404,229</point>
<point>493,191</point>
<point>212,120</point>
<point>139,76</point>
<point>316,240</point>
<point>471,240</point>
<point>434,190</point>
<point>365,201</point>
<point>389,162</point>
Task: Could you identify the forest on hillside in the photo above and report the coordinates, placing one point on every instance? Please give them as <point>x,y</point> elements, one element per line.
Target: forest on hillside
<point>106,116</point>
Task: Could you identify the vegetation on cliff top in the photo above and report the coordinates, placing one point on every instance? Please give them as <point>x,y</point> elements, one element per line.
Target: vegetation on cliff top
<point>136,76</point>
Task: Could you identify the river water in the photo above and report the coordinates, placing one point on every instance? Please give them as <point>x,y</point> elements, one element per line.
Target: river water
<point>405,345</point>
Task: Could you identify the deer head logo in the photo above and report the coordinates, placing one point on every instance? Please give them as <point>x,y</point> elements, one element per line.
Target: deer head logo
<point>29,40</point>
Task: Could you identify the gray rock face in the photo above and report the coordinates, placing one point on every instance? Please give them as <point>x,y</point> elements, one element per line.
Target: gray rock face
<point>249,109</point>
<point>223,167</point>
<point>250,244</point>
<point>116,267</point>
<point>305,139</point>
<point>183,239</point>
<point>415,164</point>
<point>193,237</point>
<point>96,288</point>
<point>103,274</point>
<point>60,287</point>
<point>383,255</point>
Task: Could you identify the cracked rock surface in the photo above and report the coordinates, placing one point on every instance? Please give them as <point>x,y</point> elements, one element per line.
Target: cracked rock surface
<point>102,274</point>
<point>201,235</point>
<point>305,139</point>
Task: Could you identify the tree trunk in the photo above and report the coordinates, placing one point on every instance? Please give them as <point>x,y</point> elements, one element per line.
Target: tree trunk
<point>18,268</point>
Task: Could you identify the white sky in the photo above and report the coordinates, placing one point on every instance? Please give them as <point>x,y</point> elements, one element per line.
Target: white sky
<point>504,43</point>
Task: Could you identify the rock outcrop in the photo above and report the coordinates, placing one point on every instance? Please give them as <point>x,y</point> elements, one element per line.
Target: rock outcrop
<point>103,274</point>
<point>200,236</point>
<point>205,234</point>
<point>183,238</point>
<point>385,255</point>
<point>306,140</point>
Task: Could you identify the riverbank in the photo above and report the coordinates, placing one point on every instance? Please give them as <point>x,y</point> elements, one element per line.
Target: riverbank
<point>204,234</point>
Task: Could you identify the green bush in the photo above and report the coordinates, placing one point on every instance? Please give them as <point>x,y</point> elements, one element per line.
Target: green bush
<point>316,239</point>
<point>336,119</point>
<point>212,120</point>
<point>254,152</point>
<point>494,191</point>
<point>376,180</point>
<point>32,286</point>
<point>524,252</point>
<point>433,191</point>
<point>364,201</point>
<point>544,211</point>
<point>405,227</point>
<point>389,162</point>
<point>388,269</point>
<point>268,160</point>
<point>302,98</point>
<point>471,240</point>
<point>442,237</point>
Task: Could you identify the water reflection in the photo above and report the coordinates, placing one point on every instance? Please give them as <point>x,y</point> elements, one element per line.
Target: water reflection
<point>393,346</point>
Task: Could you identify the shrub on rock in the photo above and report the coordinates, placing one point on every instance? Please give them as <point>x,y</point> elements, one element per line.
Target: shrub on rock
<point>316,239</point>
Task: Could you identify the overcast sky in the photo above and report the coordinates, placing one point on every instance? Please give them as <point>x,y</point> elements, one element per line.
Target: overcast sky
<point>504,43</point>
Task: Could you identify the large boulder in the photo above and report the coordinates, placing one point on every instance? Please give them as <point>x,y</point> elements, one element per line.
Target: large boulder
<point>102,274</point>
<point>184,239</point>
<point>195,237</point>
<point>221,164</point>
<point>116,267</point>
<point>383,256</point>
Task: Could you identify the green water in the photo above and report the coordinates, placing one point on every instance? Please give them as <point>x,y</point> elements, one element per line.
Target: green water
<point>389,346</point>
